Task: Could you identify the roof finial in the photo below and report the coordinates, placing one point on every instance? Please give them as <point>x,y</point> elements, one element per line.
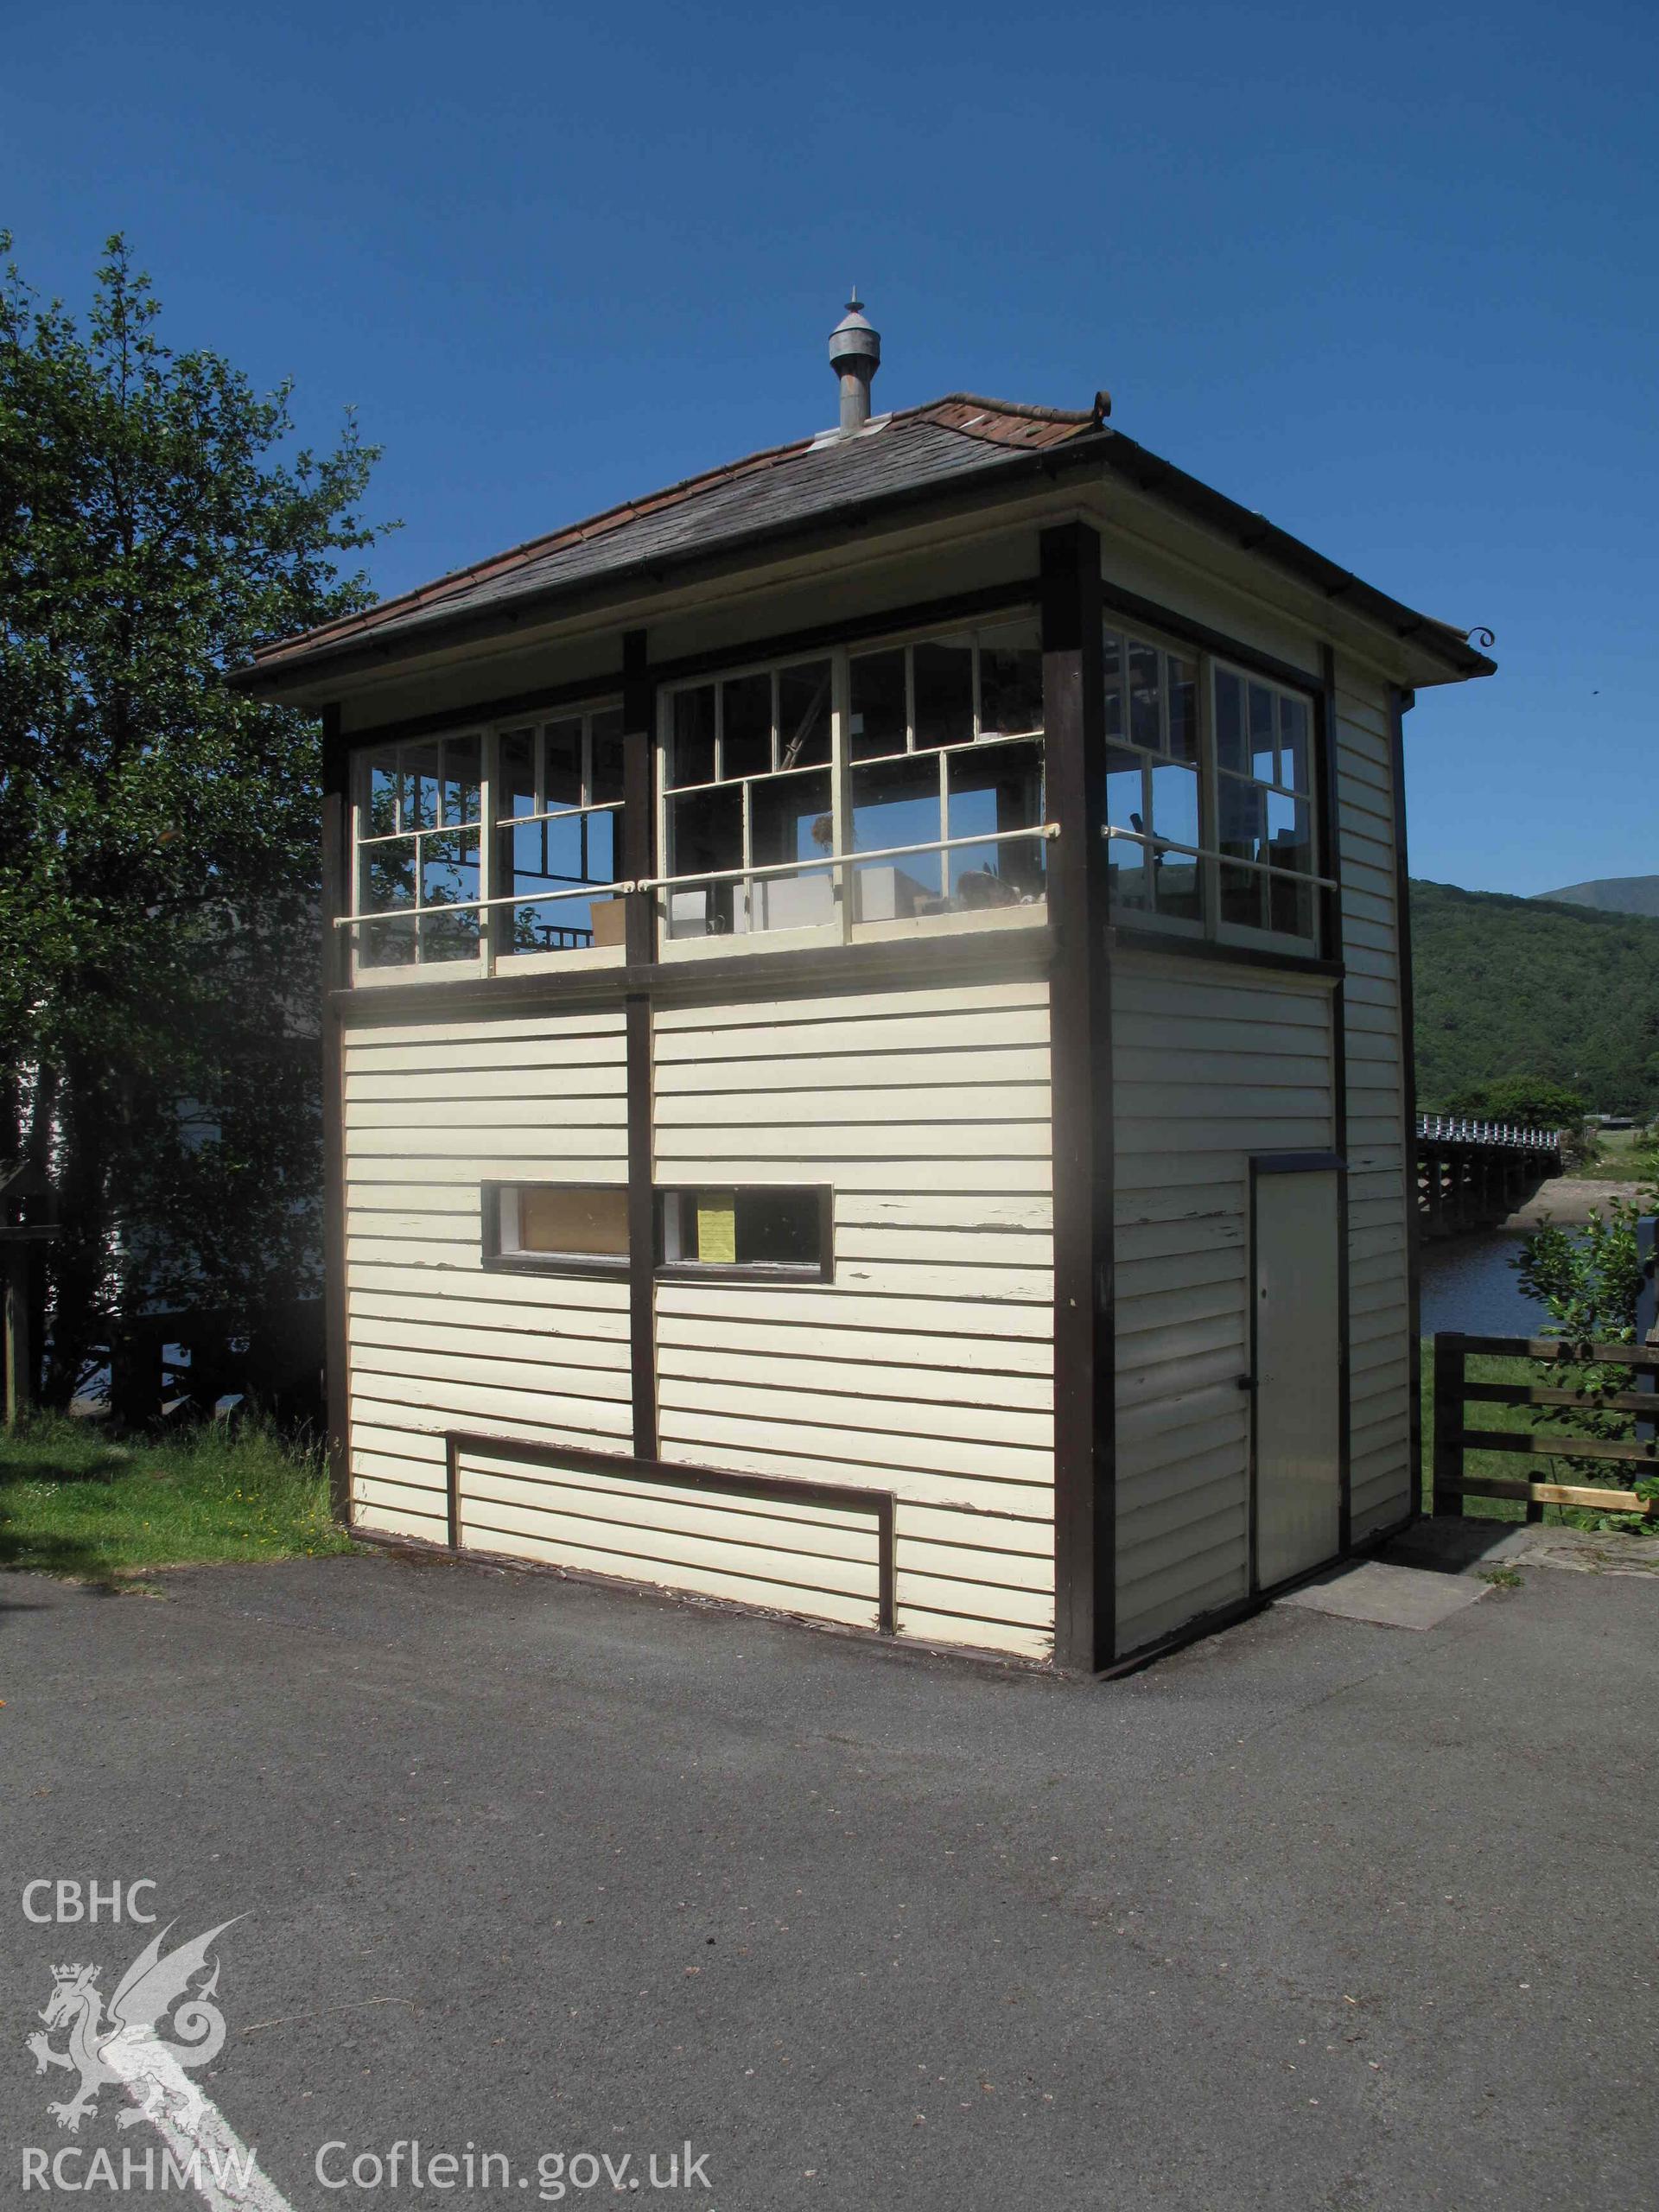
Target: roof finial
<point>855,355</point>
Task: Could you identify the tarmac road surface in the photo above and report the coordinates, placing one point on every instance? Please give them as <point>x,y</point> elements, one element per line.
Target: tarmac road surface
<point>1319,1914</point>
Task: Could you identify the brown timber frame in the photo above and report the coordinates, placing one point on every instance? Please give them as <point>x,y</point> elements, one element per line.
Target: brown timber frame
<point>338,864</point>
<point>1080,1031</point>
<point>1330,797</point>
<point>1399,701</point>
<point>717,1481</point>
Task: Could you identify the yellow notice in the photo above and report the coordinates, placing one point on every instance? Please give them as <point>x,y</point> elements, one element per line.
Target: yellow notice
<point>716,1227</point>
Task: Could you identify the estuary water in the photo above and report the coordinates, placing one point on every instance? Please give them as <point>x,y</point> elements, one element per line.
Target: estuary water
<point>1469,1285</point>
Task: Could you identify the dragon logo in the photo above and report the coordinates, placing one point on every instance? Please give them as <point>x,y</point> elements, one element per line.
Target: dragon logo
<point>125,2044</point>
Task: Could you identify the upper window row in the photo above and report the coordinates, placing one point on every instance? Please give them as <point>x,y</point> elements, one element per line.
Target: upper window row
<point>423,865</point>
<point>942,790</point>
<point>844,789</point>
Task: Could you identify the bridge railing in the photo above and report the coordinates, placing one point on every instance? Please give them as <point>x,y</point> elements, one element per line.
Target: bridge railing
<point>1462,1129</point>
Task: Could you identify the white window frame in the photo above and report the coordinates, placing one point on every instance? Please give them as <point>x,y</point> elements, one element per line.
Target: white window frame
<point>501,1250</point>
<point>743,878</point>
<point>1209,927</point>
<point>841,860</point>
<point>366,837</point>
<point>1192,927</point>
<point>506,958</point>
<point>1317,883</point>
<point>493,897</point>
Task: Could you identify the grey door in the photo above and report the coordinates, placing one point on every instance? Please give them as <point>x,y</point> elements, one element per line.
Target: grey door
<point>1296,1211</point>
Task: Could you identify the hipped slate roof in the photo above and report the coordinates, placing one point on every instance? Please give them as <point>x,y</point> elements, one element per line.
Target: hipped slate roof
<point>901,458</point>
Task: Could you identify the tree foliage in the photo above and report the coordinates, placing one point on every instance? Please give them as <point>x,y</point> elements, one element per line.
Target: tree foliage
<point>1589,1281</point>
<point>1534,1100</point>
<point>1510,988</point>
<point>158,832</point>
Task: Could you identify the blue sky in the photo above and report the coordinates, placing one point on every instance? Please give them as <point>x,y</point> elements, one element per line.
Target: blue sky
<point>1387,275</point>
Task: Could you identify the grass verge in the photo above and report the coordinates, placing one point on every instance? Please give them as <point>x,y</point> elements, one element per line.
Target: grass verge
<point>75,1501</point>
<point>1620,1156</point>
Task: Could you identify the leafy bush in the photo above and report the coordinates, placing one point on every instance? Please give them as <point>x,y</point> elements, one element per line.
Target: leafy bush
<point>1588,1282</point>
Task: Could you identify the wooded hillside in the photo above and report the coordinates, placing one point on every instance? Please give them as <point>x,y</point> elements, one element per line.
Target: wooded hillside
<point>1522,987</point>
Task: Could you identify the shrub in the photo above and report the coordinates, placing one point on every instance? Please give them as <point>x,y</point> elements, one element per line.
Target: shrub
<point>1589,1282</point>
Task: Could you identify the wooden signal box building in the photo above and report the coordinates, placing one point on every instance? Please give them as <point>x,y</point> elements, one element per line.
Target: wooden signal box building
<point>867,1043</point>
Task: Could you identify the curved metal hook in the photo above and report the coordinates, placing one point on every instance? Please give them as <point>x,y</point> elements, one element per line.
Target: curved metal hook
<point>1481,635</point>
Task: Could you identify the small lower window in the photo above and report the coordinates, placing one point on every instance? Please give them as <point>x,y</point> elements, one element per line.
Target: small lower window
<point>582,1228</point>
<point>556,1224</point>
<point>764,1231</point>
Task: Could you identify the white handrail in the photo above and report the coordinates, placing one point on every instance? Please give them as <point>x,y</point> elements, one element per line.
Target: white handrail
<point>1150,838</point>
<point>843,860</point>
<point>478,906</point>
<point>1045,830</point>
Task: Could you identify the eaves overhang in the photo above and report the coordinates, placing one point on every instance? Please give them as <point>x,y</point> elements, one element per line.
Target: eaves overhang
<point>292,667</point>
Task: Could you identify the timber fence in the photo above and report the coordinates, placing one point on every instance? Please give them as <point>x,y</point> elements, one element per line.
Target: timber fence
<point>1454,1437</point>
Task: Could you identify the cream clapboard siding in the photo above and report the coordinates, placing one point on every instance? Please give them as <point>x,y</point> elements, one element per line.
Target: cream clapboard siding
<point>926,1367</point>
<point>1380,1153</point>
<point>1208,1066</point>
<point>433,1109</point>
<point>818,1559</point>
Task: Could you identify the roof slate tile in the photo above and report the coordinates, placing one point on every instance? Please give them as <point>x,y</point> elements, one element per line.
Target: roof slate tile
<point>932,444</point>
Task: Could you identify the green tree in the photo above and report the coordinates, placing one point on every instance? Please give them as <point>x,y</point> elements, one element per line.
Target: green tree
<point>1536,1100</point>
<point>158,833</point>
<point>1505,984</point>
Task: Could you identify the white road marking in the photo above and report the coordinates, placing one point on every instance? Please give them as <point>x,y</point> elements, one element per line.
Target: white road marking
<point>225,2171</point>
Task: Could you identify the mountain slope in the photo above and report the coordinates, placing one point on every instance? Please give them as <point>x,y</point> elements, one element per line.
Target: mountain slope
<point>1523,987</point>
<point>1612,894</point>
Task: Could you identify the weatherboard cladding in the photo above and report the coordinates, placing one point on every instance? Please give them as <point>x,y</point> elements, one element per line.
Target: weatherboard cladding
<point>1382,1166</point>
<point>1209,1067</point>
<point>924,1373</point>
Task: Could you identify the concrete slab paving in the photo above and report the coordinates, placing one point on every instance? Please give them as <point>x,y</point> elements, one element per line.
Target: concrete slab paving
<point>1390,1596</point>
<point>1589,1551</point>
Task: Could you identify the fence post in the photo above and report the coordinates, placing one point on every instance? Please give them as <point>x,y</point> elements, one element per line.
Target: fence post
<point>1647,1312</point>
<point>19,1353</point>
<point>134,1383</point>
<point>1448,1421</point>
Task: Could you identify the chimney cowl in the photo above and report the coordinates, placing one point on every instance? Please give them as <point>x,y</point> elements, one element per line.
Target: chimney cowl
<point>855,355</point>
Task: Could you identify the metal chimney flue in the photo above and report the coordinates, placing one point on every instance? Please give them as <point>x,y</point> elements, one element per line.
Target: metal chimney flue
<point>855,355</point>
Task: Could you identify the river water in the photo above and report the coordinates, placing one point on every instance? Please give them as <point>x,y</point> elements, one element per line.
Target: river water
<point>1469,1285</point>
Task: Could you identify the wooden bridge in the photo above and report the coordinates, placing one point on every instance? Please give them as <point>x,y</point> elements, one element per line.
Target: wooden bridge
<point>1471,1173</point>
